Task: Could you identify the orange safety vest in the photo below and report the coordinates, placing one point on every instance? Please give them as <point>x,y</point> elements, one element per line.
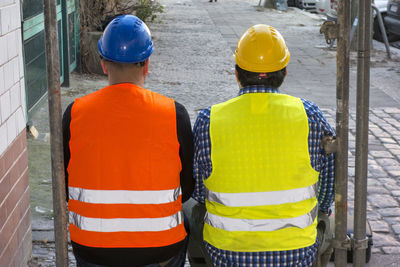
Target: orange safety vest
<point>124,170</point>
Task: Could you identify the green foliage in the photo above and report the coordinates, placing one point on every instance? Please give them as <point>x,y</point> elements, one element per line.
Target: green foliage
<point>146,9</point>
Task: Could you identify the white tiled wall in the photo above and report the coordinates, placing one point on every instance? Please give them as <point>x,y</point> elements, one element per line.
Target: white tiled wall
<point>12,91</point>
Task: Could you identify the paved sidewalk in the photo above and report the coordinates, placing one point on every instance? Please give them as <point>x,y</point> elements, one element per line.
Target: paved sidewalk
<point>383,177</point>
<point>193,63</point>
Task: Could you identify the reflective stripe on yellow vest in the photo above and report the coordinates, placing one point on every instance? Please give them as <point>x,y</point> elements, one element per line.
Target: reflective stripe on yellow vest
<point>261,195</point>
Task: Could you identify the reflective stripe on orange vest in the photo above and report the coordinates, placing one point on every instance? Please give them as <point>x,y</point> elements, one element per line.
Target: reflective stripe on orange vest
<point>124,196</point>
<point>124,170</point>
<point>126,224</point>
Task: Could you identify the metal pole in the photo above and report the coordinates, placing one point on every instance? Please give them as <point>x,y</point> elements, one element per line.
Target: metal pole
<point>360,243</point>
<point>57,159</point>
<point>77,36</point>
<point>342,128</point>
<point>65,40</point>
<point>353,17</point>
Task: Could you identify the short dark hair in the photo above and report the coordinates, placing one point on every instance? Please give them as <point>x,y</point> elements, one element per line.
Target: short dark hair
<point>270,79</point>
<point>121,65</point>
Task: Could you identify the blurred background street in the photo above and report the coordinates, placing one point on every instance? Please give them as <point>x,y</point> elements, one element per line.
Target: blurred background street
<point>192,63</point>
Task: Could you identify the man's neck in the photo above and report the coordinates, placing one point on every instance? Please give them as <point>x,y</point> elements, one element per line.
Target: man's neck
<point>138,82</point>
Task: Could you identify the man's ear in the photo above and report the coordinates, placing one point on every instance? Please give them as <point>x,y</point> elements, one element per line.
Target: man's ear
<point>104,66</point>
<point>237,78</point>
<point>146,68</point>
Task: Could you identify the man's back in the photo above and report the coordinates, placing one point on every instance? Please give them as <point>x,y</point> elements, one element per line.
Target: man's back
<point>257,162</point>
<point>133,130</point>
<point>128,153</point>
<point>124,176</point>
<point>204,167</point>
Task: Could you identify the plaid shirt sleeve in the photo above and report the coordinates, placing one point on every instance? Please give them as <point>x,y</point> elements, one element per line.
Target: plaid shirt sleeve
<point>202,153</point>
<point>321,162</point>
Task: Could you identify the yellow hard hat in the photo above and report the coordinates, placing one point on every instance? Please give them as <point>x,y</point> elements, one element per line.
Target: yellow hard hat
<point>262,49</point>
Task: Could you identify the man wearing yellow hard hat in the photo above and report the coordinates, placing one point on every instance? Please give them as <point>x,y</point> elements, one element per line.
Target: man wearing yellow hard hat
<point>259,165</point>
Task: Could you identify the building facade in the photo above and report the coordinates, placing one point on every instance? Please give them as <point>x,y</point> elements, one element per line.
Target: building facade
<point>33,41</point>
<point>23,84</point>
<point>15,229</point>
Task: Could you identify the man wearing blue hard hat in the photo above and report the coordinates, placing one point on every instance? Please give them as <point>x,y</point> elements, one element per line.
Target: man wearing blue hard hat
<point>128,159</point>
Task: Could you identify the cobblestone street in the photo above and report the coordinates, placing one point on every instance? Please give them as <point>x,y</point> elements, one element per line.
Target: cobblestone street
<point>193,63</point>
<point>383,176</point>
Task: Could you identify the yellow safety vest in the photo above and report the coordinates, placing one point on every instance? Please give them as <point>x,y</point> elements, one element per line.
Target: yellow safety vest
<point>261,195</point>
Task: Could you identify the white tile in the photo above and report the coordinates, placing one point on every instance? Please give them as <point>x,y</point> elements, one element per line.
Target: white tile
<point>11,129</point>
<point>15,18</point>
<point>11,12</point>
<point>23,95</point>
<point>7,2</point>
<point>18,16</point>
<point>2,88</point>
<point>8,75</point>
<point>20,54</point>
<point>21,66</point>
<point>20,120</point>
<point>15,64</point>
<point>5,19</point>
<point>3,50</point>
<point>12,17</point>
<point>12,45</point>
<point>1,14</point>
<point>22,89</point>
<point>5,105</point>
<point>15,98</point>
<point>3,138</point>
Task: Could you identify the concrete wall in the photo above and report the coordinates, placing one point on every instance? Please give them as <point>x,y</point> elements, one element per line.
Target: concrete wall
<point>15,230</point>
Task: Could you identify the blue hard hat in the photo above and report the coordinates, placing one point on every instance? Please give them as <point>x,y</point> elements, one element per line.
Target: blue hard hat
<point>126,39</point>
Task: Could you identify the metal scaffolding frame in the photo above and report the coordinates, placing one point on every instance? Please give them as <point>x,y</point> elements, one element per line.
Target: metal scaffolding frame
<point>359,242</point>
<point>341,241</point>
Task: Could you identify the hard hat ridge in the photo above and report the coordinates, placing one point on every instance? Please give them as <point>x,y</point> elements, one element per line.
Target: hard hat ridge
<point>126,39</point>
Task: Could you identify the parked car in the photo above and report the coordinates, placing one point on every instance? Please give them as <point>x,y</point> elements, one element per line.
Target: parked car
<point>308,4</point>
<point>392,19</point>
<point>302,4</point>
<point>382,7</point>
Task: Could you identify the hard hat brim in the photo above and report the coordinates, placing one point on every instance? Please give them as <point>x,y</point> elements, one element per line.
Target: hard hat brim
<point>145,55</point>
<point>246,65</point>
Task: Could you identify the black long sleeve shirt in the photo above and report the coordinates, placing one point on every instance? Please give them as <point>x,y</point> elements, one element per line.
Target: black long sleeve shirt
<point>139,256</point>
